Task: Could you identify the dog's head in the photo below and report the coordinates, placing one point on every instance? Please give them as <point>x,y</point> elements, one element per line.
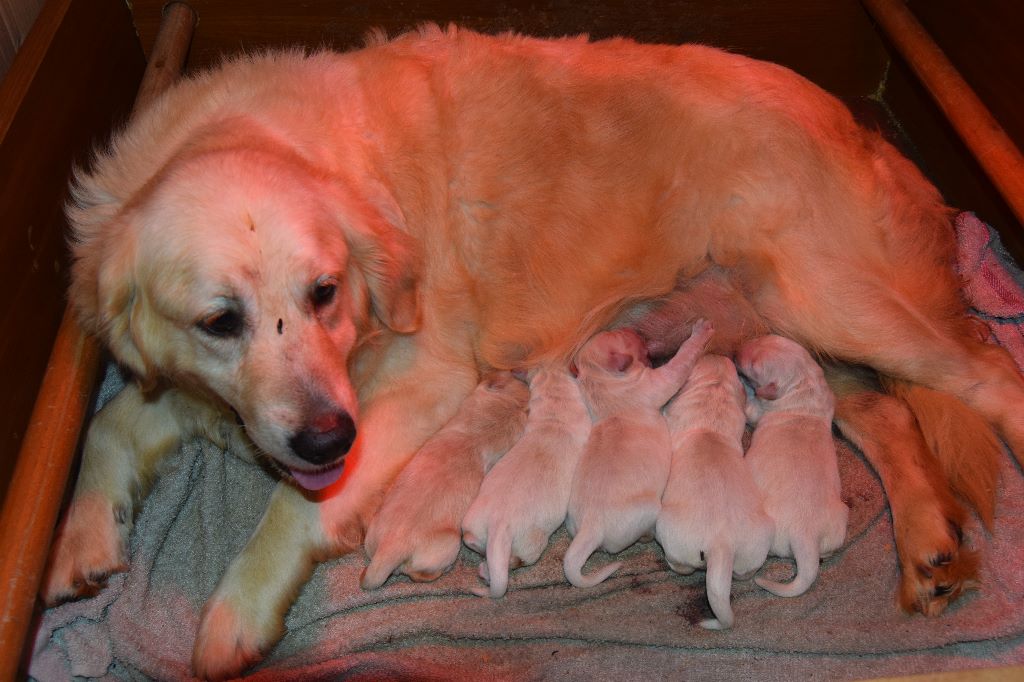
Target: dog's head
<point>249,275</point>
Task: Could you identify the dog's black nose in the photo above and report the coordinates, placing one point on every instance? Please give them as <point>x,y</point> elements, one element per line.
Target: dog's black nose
<point>327,439</point>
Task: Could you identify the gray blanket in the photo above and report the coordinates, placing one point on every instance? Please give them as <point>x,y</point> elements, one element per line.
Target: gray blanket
<point>641,623</point>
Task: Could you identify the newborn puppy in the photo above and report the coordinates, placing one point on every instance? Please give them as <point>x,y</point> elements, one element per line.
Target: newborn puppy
<point>523,499</point>
<point>792,455</point>
<point>616,492</point>
<point>417,529</point>
<point>711,512</point>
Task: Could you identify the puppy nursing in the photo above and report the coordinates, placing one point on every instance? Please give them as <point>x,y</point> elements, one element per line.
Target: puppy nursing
<point>792,455</point>
<point>418,528</point>
<point>616,492</point>
<point>523,499</point>
<point>711,513</point>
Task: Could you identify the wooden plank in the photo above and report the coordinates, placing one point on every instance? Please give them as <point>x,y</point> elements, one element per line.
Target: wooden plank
<point>994,150</point>
<point>983,39</point>
<point>57,101</point>
<point>832,43</point>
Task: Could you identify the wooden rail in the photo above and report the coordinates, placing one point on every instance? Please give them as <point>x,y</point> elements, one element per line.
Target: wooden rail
<point>988,142</point>
<point>34,497</point>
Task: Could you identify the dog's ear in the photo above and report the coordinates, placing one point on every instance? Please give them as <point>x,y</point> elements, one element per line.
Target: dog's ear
<point>106,295</point>
<point>389,259</point>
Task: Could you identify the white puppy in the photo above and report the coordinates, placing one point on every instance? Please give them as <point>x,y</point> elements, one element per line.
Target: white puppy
<point>792,455</point>
<point>711,512</point>
<point>523,498</point>
<point>417,530</point>
<point>616,492</point>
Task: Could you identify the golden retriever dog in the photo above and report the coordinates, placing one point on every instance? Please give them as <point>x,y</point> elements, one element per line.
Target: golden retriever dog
<point>793,456</point>
<point>712,515</point>
<point>418,529</point>
<point>618,483</point>
<point>524,498</point>
<point>331,248</point>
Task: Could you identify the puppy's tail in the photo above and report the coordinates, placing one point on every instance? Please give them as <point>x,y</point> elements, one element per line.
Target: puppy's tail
<point>805,551</point>
<point>963,443</point>
<point>719,587</point>
<point>582,546</point>
<point>499,554</point>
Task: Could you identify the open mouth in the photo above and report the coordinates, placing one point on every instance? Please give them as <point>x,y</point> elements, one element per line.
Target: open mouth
<point>317,479</point>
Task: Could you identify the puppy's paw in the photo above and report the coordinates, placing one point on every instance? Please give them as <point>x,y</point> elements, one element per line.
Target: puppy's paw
<point>935,566</point>
<point>428,559</point>
<point>231,638</point>
<point>89,546</point>
<point>702,331</point>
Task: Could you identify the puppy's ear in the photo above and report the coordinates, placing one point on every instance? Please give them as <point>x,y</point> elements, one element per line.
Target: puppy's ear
<point>389,259</point>
<point>105,293</point>
<point>619,362</point>
<point>769,391</point>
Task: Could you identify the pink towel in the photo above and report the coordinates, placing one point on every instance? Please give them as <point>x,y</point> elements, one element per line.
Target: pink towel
<point>992,283</point>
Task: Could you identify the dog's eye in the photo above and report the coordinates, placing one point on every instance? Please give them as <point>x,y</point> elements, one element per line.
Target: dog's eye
<point>323,291</point>
<point>222,323</point>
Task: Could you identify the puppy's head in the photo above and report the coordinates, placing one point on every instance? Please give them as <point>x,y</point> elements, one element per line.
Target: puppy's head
<point>248,275</point>
<point>774,365</point>
<point>619,351</point>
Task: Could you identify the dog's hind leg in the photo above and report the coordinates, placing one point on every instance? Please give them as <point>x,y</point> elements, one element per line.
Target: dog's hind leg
<point>925,338</point>
<point>927,520</point>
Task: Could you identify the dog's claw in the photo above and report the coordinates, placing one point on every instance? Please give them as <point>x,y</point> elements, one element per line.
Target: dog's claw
<point>929,584</point>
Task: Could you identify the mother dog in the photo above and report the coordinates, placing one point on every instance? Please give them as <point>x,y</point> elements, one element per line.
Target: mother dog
<point>330,245</point>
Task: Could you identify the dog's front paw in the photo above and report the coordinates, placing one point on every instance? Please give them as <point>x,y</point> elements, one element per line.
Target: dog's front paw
<point>935,566</point>
<point>89,546</point>
<point>231,638</point>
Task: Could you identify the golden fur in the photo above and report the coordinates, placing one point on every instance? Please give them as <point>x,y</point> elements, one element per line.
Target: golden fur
<point>376,228</point>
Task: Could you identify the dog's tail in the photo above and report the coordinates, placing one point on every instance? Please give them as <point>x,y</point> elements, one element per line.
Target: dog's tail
<point>966,447</point>
<point>499,555</point>
<point>587,540</point>
<point>805,551</point>
<point>719,586</point>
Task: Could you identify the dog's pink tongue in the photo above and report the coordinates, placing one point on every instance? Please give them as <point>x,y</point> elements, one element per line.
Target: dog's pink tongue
<point>317,480</point>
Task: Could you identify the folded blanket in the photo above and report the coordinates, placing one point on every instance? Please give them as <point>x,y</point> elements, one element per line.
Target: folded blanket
<point>639,623</point>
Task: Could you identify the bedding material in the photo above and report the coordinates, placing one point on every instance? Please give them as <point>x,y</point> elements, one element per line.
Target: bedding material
<point>641,622</point>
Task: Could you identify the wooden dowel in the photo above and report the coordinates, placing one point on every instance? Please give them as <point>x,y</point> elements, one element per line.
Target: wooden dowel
<point>37,486</point>
<point>988,142</point>
<point>40,476</point>
<point>170,50</point>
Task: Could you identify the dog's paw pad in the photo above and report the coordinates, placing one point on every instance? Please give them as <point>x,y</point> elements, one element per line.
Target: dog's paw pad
<point>934,578</point>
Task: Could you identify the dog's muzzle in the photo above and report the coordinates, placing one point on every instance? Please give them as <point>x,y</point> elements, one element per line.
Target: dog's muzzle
<point>326,439</point>
<point>324,444</point>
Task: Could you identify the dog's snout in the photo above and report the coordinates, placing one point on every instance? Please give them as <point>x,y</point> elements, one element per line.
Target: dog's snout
<point>326,439</point>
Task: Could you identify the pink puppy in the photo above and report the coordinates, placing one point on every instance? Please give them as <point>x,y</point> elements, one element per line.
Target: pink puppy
<point>792,455</point>
<point>523,499</point>
<point>616,492</point>
<point>711,512</point>
<point>417,529</point>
